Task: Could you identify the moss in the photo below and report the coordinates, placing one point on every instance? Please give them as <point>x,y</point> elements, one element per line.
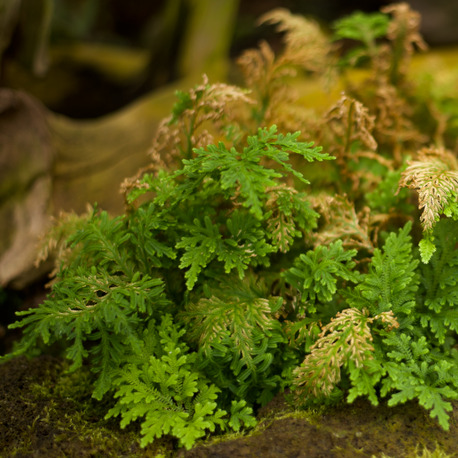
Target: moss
<point>49,412</point>
<point>346,430</point>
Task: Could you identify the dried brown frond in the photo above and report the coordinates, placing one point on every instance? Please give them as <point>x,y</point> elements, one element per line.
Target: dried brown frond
<point>350,121</point>
<point>135,182</point>
<point>391,63</point>
<point>257,67</point>
<point>387,318</point>
<point>293,117</point>
<point>349,126</point>
<point>342,222</point>
<point>393,124</point>
<point>387,90</point>
<point>404,33</point>
<point>266,77</point>
<point>211,108</point>
<point>306,48</point>
<point>434,175</point>
<point>54,243</point>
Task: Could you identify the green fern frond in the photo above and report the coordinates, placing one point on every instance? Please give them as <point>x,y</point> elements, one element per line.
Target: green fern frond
<point>439,281</point>
<point>362,27</point>
<point>103,241</point>
<point>200,248</point>
<point>239,339</point>
<point>288,213</point>
<point>415,371</point>
<point>93,306</point>
<point>241,414</point>
<point>244,245</point>
<point>392,280</point>
<point>199,304</point>
<point>243,321</point>
<point>315,275</point>
<point>165,392</point>
<point>243,174</point>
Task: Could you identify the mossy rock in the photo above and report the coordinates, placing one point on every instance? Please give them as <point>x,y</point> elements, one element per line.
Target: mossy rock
<point>47,412</point>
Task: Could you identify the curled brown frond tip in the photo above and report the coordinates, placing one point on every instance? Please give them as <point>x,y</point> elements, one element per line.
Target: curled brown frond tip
<point>342,222</point>
<point>350,120</point>
<point>405,26</point>
<point>306,44</point>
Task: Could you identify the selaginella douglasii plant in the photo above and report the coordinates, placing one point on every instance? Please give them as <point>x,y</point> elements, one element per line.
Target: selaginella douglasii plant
<point>249,260</point>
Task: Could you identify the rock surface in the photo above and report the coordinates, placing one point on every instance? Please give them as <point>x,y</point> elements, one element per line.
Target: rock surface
<point>48,413</point>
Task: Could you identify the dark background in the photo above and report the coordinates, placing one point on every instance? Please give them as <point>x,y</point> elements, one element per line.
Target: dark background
<point>139,25</point>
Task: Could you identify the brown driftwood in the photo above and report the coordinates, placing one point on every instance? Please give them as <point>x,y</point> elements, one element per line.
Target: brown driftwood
<point>26,161</point>
<point>50,163</point>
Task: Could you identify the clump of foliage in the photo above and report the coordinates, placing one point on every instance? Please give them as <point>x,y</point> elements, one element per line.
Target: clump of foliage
<point>250,260</point>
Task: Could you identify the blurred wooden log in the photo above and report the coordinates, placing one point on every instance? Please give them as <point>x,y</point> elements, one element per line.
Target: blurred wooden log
<point>208,37</point>
<point>26,161</point>
<point>50,163</point>
<point>93,157</point>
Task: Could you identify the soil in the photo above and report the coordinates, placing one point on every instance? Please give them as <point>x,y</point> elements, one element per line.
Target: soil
<point>47,412</point>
